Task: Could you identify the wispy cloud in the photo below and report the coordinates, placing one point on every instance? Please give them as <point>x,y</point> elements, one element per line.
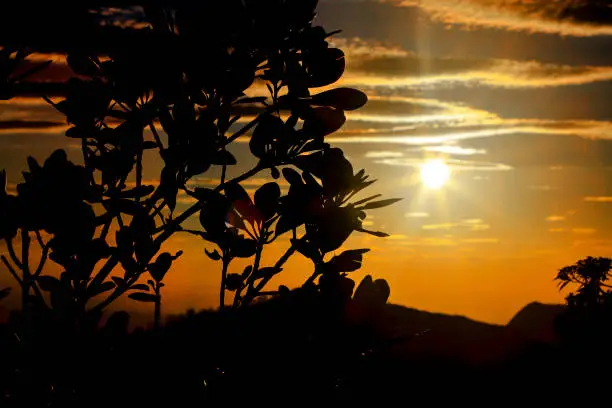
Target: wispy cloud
<point>480,241</point>
<point>417,215</point>
<point>454,150</point>
<point>387,65</point>
<point>462,165</point>
<point>600,199</point>
<point>383,155</point>
<point>555,218</point>
<point>563,17</point>
<point>493,73</point>
<point>469,224</point>
<point>584,231</point>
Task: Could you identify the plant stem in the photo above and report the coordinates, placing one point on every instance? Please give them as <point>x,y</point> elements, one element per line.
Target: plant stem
<point>11,249</point>
<point>169,230</point>
<point>253,274</point>
<point>25,268</point>
<point>244,130</point>
<point>248,298</point>
<point>43,256</point>
<point>160,145</point>
<point>223,282</point>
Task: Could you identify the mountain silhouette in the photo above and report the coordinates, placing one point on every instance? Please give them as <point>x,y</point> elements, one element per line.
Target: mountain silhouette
<point>536,321</point>
<point>460,339</point>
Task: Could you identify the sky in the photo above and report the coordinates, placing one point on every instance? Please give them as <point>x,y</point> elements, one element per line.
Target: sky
<point>511,95</point>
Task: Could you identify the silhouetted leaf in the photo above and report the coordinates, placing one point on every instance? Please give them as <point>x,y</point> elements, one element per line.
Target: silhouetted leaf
<point>325,67</point>
<point>143,297</point>
<point>365,200</point>
<point>380,204</point>
<point>320,121</point>
<point>285,223</point>
<point>266,199</point>
<point>342,98</point>
<point>118,281</point>
<point>269,128</point>
<point>372,293</point>
<point>148,145</point>
<point>243,248</point>
<point>214,255</point>
<point>223,157</point>
<point>375,233</point>
<point>161,266</point>
<point>48,283</point>
<point>168,187</point>
<point>236,193</point>
<point>292,176</point>
<point>268,272</point>
<point>233,282</point>
<point>347,261</point>
<point>104,287</point>
<point>140,286</point>
<point>306,249</point>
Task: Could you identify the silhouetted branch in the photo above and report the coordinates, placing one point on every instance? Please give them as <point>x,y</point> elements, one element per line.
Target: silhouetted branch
<point>244,130</point>
<point>279,264</point>
<point>223,282</point>
<point>160,145</point>
<point>25,268</point>
<point>44,255</point>
<point>13,255</point>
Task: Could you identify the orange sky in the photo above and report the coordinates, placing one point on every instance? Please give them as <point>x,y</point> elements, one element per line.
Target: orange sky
<point>515,101</point>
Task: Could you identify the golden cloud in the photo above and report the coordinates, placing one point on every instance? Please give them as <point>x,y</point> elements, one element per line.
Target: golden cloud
<point>470,224</point>
<point>498,73</point>
<point>563,17</point>
<point>584,231</point>
<point>601,199</point>
<point>555,218</point>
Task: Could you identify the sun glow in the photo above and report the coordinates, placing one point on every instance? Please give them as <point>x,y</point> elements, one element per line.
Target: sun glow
<point>435,174</point>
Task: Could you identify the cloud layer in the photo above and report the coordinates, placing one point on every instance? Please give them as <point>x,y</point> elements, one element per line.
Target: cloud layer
<point>564,17</point>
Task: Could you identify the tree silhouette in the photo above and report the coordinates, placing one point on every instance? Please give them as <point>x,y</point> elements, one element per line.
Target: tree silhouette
<point>591,275</point>
<point>586,323</point>
<point>186,88</point>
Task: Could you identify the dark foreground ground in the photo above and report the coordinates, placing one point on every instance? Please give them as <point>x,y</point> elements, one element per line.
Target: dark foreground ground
<point>296,351</point>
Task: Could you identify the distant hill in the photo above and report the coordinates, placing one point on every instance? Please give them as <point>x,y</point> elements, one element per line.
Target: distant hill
<point>536,321</point>
<point>456,338</point>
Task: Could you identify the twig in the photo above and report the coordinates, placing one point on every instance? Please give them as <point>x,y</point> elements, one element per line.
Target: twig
<point>245,129</point>
<point>169,229</point>
<point>160,145</point>
<point>25,268</point>
<point>257,289</point>
<point>44,255</point>
<point>223,282</point>
<point>11,249</point>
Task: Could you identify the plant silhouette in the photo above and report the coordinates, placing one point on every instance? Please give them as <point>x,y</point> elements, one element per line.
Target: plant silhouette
<point>183,91</point>
<point>586,323</point>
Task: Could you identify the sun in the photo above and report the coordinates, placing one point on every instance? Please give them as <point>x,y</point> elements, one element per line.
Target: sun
<point>435,174</point>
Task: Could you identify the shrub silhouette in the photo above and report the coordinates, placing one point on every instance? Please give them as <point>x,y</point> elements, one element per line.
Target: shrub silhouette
<point>180,91</point>
<point>586,324</point>
<point>185,89</point>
